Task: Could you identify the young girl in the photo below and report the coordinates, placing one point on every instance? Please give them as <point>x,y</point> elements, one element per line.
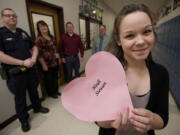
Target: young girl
<point>148,82</point>
<point>47,58</point>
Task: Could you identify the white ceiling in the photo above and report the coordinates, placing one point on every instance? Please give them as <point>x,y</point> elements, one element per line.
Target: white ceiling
<point>154,5</point>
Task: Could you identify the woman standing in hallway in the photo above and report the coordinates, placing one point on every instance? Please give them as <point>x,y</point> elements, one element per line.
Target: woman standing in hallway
<point>148,82</point>
<point>48,59</point>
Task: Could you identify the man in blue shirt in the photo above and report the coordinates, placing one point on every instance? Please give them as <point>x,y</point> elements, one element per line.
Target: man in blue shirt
<point>101,41</point>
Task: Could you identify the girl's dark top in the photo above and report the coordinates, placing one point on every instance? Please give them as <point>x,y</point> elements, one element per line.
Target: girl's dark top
<point>159,96</point>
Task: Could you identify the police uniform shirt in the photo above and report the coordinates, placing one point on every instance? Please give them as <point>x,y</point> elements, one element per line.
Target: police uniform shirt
<point>16,44</point>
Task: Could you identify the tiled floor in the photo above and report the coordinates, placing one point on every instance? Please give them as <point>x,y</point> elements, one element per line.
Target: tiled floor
<point>60,122</point>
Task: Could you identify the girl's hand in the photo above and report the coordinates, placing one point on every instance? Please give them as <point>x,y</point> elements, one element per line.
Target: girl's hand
<point>142,120</point>
<point>121,122</point>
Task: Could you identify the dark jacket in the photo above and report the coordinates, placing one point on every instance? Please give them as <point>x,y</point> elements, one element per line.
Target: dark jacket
<point>158,102</point>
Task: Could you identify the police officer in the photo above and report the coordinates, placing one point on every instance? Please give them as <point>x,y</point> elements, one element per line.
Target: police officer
<point>17,51</point>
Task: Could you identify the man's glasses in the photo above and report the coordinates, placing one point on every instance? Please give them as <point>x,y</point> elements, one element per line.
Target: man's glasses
<point>8,15</point>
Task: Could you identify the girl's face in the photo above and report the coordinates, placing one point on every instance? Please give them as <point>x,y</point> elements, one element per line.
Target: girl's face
<point>136,36</point>
<point>43,28</point>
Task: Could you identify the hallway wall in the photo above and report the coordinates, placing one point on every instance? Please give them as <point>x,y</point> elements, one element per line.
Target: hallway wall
<point>166,50</point>
<point>108,18</point>
<point>71,13</point>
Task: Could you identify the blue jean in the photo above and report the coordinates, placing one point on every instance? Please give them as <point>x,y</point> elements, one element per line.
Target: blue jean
<point>72,62</point>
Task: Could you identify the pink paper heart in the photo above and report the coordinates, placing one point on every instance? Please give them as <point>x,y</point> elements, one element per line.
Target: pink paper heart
<point>102,94</point>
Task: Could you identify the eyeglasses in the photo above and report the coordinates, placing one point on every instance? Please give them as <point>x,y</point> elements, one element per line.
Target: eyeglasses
<point>8,15</point>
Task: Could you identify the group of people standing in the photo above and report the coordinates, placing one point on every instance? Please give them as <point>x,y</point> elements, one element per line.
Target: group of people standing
<point>18,55</point>
<point>69,47</point>
<point>132,40</point>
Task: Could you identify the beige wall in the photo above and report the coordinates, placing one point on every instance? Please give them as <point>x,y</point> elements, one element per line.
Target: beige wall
<point>71,11</point>
<point>7,108</point>
<point>108,18</point>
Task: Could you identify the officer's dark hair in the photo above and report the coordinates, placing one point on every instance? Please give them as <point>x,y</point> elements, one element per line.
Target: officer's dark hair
<point>41,22</point>
<point>69,23</point>
<point>113,46</point>
<point>103,26</point>
<point>2,11</point>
